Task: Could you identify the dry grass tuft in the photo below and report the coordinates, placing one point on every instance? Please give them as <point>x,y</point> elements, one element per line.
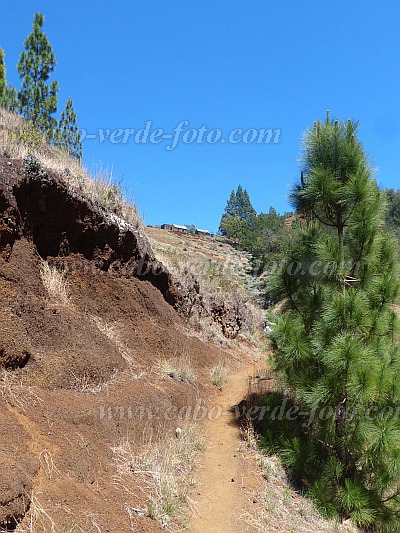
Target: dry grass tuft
<point>16,393</point>
<point>47,463</point>
<point>18,139</point>
<point>219,375</point>
<point>112,332</point>
<point>85,384</point>
<point>38,518</point>
<point>179,369</point>
<point>56,285</point>
<point>163,470</point>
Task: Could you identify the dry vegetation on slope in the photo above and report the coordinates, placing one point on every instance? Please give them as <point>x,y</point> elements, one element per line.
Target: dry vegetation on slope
<point>219,294</point>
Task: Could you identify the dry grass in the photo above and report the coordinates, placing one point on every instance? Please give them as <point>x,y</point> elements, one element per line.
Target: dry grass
<point>18,139</point>
<point>56,285</point>
<point>178,368</point>
<point>16,393</point>
<point>38,519</point>
<point>47,463</point>
<point>163,470</point>
<point>112,332</point>
<point>85,384</point>
<point>219,375</point>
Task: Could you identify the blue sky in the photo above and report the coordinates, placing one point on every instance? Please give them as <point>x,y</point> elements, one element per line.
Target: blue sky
<point>223,64</point>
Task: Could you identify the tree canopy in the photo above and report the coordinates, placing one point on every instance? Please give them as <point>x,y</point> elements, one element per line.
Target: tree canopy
<point>8,95</point>
<point>37,98</point>
<point>238,209</point>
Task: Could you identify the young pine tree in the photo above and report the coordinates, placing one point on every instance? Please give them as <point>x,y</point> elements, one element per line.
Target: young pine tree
<point>336,344</point>
<point>2,75</point>
<point>38,98</point>
<point>67,135</point>
<point>8,95</point>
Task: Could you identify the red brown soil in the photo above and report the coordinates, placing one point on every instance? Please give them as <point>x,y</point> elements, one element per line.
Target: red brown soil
<point>69,388</point>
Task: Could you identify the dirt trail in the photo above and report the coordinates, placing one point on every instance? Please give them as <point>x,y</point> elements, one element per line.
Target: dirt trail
<point>225,477</point>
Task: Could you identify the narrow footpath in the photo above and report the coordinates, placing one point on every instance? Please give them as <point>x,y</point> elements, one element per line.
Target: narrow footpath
<point>224,493</point>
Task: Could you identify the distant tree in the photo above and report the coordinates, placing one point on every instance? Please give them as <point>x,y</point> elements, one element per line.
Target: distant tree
<point>10,99</point>
<point>392,217</point>
<point>336,344</point>
<point>8,95</point>
<point>67,134</point>
<point>2,75</point>
<point>38,98</point>
<point>238,206</point>
<point>235,227</point>
<point>191,228</point>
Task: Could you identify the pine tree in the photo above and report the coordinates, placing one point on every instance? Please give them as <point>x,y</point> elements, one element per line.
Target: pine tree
<point>10,99</point>
<point>38,98</point>
<point>238,206</point>
<point>393,212</point>
<point>2,75</point>
<point>336,344</point>
<point>67,135</point>
<point>8,95</point>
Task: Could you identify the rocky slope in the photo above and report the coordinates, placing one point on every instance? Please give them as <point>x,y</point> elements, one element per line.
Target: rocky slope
<point>217,291</point>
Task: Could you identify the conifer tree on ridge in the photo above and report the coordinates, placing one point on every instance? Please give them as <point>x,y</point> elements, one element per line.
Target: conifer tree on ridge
<point>38,98</point>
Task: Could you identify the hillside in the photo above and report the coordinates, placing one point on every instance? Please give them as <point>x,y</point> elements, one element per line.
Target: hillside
<point>220,294</point>
<point>86,343</point>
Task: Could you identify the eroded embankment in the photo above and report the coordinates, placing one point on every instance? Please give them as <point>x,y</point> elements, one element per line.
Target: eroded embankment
<point>87,328</point>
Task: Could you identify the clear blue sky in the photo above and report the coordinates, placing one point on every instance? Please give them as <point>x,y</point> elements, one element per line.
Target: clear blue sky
<point>223,64</point>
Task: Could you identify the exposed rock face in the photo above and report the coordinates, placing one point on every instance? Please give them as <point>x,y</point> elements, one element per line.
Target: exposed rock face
<point>120,323</point>
<point>60,222</point>
<point>194,305</point>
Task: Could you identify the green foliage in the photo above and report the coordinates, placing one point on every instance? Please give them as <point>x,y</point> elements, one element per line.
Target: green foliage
<point>2,75</point>
<point>38,98</point>
<point>264,235</point>
<point>237,208</point>
<point>33,166</point>
<point>392,216</point>
<point>10,99</point>
<point>335,346</point>
<point>8,95</point>
<point>112,198</point>
<point>28,136</point>
<point>67,134</point>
